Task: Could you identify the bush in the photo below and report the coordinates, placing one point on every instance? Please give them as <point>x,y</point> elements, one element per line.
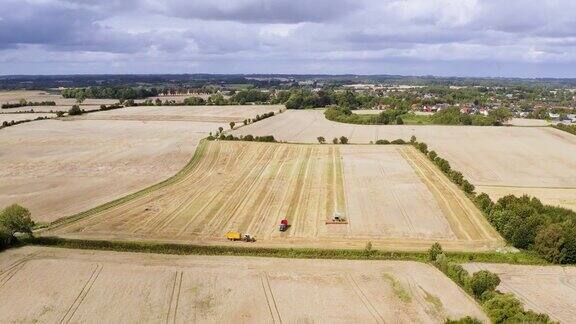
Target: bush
<point>75,110</point>
<point>5,238</point>
<point>483,281</point>
<point>398,142</point>
<point>482,286</point>
<point>422,147</point>
<point>14,219</point>
<point>343,140</point>
<point>464,320</point>
<point>335,140</point>
<point>434,251</point>
<point>321,139</point>
<point>484,202</point>
<point>194,101</point>
<point>382,142</point>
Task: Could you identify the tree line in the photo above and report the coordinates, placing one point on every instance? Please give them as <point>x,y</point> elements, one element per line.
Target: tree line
<point>567,128</point>
<point>453,116</point>
<point>524,222</point>
<point>109,92</point>
<point>345,115</point>
<point>24,103</point>
<point>500,307</point>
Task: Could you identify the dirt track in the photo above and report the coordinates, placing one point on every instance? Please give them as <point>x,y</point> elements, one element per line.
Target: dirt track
<point>250,187</point>
<point>540,158</point>
<point>546,289</point>
<point>59,285</point>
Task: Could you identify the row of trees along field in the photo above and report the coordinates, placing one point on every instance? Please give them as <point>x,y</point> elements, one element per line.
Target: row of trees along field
<point>448,116</point>
<point>524,222</point>
<point>528,224</point>
<point>500,308</point>
<point>115,92</point>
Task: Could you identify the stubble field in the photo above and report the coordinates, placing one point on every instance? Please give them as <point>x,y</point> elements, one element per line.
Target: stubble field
<point>23,116</point>
<point>87,286</point>
<point>57,168</point>
<point>497,160</point>
<point>388,195</point>
<point>544,289</point>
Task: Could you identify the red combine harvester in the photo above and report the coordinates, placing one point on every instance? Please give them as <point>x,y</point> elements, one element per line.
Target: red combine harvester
<point>283,225</point>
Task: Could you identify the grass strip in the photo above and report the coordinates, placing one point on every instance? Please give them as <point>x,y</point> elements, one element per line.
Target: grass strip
<point>294,253</point>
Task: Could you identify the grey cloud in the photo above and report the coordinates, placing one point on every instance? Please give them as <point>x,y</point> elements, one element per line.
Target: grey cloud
<point>261,11</point>
<point>298,36</point>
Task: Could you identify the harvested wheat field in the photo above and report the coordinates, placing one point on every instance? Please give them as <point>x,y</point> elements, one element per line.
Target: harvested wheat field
<point>544,289</point>
<point>539,159</point>
<point>23,116</point>
<point>216,114</point>
<point>87,286</point>
<point>58,168</point>
<point>388,195</point>
<point>39,96</point>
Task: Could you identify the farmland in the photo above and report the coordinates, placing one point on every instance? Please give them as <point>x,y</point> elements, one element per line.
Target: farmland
<point>216,114</point>
<point>250,187</point>
<point>496,160</point>
<point>85,286</point>
<point>61,167</point>
<point>547,289</point>
<point>24,116</point>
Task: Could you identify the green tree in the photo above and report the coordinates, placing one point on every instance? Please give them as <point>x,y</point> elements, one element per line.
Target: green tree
<point>335,140</point>
<point>549,243</point>
<point>399,121</point>
<point>220,129</point>
<point>503,308</point>
<point>75,110</point>
<point>321,140</point>
<point>232,124</point>
<point>483,281</point>
<point>343,140</point>
<point>500,115</point>
<point>16,219</point>
<point>434,251</point>
<point>464,320</point>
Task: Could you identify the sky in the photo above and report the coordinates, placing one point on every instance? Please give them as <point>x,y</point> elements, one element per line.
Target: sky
<point>483,38</point>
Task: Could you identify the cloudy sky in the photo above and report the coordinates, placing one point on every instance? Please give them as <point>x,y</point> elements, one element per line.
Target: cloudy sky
<point>525,38</point>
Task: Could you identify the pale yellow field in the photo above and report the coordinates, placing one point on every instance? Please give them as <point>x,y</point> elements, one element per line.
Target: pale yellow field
<point>544,289</point>
<point>217,114</point>
<point>39,96</point>
<point>388,195</point>
<point>58,168</point>
<point>24,116</point>
<point>58,285</point>
<point>540,158</point>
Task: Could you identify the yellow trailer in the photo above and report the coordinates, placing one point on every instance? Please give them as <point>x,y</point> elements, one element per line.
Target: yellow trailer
<point>233,236</point>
